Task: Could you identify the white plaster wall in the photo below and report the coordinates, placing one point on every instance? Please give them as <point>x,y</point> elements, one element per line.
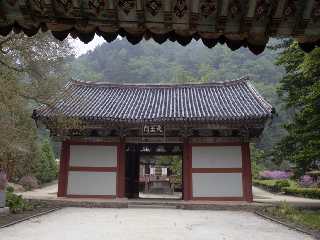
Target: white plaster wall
<point>92,183</point>
<point>217,184</point>
<point>93,156</point>
<point>216,157</point>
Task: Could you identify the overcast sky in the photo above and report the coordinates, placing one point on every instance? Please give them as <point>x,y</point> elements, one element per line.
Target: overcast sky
<point>81,48</point>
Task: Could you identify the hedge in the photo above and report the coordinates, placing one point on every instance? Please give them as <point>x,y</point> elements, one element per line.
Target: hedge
<point>303,192</point>
<point>272,185</point>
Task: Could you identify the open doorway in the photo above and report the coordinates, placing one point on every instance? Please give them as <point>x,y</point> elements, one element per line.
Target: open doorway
<point>154,171</point>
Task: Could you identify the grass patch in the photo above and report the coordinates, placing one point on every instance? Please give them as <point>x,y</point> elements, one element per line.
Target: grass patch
<point>309,219</point>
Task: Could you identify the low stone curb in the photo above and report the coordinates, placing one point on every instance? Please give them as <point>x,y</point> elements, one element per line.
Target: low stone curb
<point>251,207</point>
<point>4,211</point>
<point>84,203</point>
<point>288,225</point>
<point>221,207</point>
<point>190,206</point>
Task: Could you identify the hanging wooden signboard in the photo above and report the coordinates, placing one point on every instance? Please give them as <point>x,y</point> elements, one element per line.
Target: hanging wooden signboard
<point>153,130</point>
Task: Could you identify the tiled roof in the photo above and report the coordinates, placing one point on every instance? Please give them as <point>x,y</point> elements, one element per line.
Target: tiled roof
<point>231,101</point>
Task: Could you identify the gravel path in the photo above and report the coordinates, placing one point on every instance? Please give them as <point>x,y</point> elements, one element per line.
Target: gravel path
<point>151,224</point>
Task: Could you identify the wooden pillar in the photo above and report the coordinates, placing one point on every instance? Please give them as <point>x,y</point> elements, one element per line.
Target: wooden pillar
<point>187,171</point>
<point>121,170</point>
<point>63,170</point>
<point>246,174</point>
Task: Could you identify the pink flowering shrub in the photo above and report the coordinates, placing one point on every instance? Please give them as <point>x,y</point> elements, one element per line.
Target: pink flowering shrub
<point>275,174</point>
<point>306,181</point>
<point>3,181</point>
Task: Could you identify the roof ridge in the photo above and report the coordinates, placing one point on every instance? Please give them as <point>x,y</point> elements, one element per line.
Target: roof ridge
<point>240,80</point>
<point>260,98</point>
<point>210,103</point>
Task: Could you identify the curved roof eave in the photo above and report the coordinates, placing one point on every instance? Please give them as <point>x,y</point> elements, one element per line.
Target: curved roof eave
<point>232,101</point>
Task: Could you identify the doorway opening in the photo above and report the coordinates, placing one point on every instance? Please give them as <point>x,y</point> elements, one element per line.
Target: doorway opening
<point>154,171</point>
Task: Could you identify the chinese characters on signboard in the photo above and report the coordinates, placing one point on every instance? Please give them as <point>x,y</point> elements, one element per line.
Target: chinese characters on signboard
<point>153,129</point>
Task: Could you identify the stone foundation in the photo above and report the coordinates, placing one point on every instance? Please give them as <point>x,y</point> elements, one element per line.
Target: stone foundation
<point>4,211</point>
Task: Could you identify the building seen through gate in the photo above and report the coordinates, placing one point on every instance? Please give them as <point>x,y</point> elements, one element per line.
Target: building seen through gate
<point>154,171</point>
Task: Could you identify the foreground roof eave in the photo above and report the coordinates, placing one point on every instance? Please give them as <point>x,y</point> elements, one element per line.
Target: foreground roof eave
<point>234,23</point>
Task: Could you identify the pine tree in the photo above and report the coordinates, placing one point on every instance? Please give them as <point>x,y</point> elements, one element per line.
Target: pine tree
<point>46,168</point>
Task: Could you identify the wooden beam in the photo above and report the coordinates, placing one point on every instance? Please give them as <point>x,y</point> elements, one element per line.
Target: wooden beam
<point>154,140</point>
<point>187,171</point>
<point>63,171</point>
<point>246,175</point>
<point>216,170</point>
<point>121,169</point>
<point>90,196</point>
<point>92,169</point>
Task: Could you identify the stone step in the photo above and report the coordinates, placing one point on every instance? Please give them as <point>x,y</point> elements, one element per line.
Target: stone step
<point>157,206</point>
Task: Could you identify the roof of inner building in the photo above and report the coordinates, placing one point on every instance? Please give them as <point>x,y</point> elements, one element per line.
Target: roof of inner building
<point>237,23</point>
<point>233,101</point>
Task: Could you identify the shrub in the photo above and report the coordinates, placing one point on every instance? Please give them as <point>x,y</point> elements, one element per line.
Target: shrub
<point>272,185</point>
<point>10,189</point>
<point>280,184</point>
<point>3,181</point>
<point>267,174</point>
<point>16,187</point>
<point>306,181</point>
<point>303,192</point>
<point>16,203</point>
<point>29,182</point>
<point>46,168</point>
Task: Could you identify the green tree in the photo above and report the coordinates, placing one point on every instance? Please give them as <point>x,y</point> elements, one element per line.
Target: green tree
<point>257,158</point>
<point>31,72</point>
<point>175,164</point>
<point>18,135</point>
<point>38,64</point>
<point>46,168</point>
<point>300,90</point>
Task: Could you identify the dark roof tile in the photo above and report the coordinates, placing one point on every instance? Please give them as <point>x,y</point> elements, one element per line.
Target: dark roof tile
<point>212,102</point>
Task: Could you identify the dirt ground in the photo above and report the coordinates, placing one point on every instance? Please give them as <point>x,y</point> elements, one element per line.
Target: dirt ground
<point>153,224</point>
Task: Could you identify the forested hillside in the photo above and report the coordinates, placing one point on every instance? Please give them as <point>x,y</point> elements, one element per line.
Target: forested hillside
<point>149,62</point>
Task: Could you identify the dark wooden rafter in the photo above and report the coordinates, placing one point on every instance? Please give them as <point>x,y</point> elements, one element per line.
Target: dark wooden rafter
<point>236,23</point>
